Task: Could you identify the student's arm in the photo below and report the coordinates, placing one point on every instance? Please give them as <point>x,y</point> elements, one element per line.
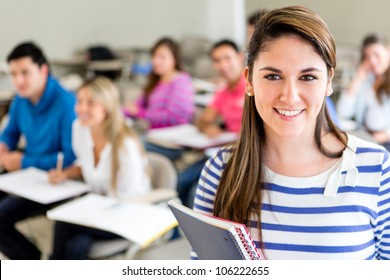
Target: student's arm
<point>382,222</point>
<point>177,109</point>
<point>351,101</point>
<point>49,161</point>
<point>376,120</point>
<point>206,123</point>
<point>3,149</point>
<point>72,172</point>
<point>135,108</point>
<point>362,74</point>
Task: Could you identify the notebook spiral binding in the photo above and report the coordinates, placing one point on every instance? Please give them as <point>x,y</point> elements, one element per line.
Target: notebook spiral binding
<point>237,245</point>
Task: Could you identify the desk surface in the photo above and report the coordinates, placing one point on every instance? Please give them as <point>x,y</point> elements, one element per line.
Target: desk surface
<point>187,135</point>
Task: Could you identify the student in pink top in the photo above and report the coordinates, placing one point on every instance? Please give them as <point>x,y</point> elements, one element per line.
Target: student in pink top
<point>227,106</point>
<point>167,98</point>
<point>228,102</point>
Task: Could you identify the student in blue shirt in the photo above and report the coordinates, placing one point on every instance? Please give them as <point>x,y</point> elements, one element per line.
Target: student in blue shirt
<point>43,112</point>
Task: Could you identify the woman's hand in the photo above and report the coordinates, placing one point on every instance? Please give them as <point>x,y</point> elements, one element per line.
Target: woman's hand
<point>363,70</point>
<point>132,109</point>
<point>56,177</point>
<point>362,73</point>
<point>381,136</point>
<point>212,131</point>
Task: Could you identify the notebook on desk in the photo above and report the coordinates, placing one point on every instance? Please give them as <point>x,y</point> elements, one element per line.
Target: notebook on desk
<point>33,184</point>
<point>213,238</point>
<point>188,135</point>
<point>137,222</point>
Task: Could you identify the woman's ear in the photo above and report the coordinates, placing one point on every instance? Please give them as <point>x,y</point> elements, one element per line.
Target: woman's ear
<point>248,86</point>
<point>329,89</point>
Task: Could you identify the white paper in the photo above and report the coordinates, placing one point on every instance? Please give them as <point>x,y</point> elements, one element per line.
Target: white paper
<point>33,184</point>
<point>188,135</point>
<point>140,223</point>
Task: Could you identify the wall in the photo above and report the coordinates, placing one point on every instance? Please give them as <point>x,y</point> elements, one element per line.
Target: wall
<point>62,27</point>
<point>349,20</point>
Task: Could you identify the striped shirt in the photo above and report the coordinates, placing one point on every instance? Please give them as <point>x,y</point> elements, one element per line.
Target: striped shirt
<point>169,103</point>
<point>342,213</point>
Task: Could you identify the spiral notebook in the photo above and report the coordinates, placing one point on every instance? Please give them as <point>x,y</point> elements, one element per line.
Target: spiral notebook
<point>213,238</point>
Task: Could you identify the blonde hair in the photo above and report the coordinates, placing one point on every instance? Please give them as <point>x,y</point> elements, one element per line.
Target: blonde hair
<point>114,127</point>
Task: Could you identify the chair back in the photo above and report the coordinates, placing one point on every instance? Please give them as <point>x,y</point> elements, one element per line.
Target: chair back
<point>164,174</point>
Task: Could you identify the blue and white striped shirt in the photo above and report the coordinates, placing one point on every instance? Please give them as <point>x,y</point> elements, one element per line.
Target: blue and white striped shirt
<point>342,213</point>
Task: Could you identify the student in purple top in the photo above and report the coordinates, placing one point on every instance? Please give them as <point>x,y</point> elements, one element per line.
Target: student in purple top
<point>167,99</point>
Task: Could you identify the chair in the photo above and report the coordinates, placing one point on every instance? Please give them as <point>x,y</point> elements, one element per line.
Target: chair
<point>164,183</point>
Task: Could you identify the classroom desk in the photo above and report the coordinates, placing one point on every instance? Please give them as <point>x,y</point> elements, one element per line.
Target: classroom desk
<point>204,92</point>
<point>188,136</point>
<point>64,66</point>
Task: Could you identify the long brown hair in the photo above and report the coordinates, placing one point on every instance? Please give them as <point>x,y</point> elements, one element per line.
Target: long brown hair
<point>239,193</point>
<point>153,78</point>
<point>114,126</point>
<point>377,38</point>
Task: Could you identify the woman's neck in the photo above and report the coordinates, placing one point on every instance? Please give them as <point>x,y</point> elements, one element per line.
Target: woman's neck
<point>97,133</point>
<point>165,78</point>
<point>299,156</point>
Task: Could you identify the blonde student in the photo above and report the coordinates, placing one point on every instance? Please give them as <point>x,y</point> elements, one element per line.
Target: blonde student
<point>109,156</point>
<point>304,189</point>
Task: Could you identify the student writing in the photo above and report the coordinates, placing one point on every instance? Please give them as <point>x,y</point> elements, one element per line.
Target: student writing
<point>110,158</point>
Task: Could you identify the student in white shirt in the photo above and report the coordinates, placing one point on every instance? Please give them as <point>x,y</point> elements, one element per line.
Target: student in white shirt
<point>366,100</point>
<point>110,158</point>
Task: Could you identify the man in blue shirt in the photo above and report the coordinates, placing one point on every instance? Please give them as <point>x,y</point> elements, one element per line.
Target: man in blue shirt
<point>43,112</point>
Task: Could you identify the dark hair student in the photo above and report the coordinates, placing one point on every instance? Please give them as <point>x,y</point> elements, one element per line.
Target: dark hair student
<point>304,189</point>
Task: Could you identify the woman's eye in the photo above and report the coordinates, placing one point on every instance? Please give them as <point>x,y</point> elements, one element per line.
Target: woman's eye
<point>273,77</point>
<point>308,78</point>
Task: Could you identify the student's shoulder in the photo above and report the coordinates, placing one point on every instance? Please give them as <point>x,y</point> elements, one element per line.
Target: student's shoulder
<point>366,149</point>
<point>183,77</point>
<point>79,130</point>
<point>222,156</point>
<point>63,94</point>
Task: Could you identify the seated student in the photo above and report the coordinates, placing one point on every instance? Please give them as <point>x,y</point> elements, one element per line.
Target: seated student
<point>228,104</point>
<point>167,99</point>
<point>43,112</point>
<point>304,189</point>
<point>377,114</point>
<point>251,22</point>
<point>110,158</point>
<point>372,81</point>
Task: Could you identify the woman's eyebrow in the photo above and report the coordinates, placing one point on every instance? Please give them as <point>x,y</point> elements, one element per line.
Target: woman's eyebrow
<point>273,69</point>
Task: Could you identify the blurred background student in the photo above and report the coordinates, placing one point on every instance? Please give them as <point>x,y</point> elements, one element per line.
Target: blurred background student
<point>167,98</point>
<point>110,158</point>
<point>369,87</point>
<point>42,111</point>
<point>223,114</point>
<point>377,118</point>
<point>251,22</point>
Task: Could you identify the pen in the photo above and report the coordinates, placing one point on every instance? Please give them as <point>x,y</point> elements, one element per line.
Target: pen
<point>60,160</point>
